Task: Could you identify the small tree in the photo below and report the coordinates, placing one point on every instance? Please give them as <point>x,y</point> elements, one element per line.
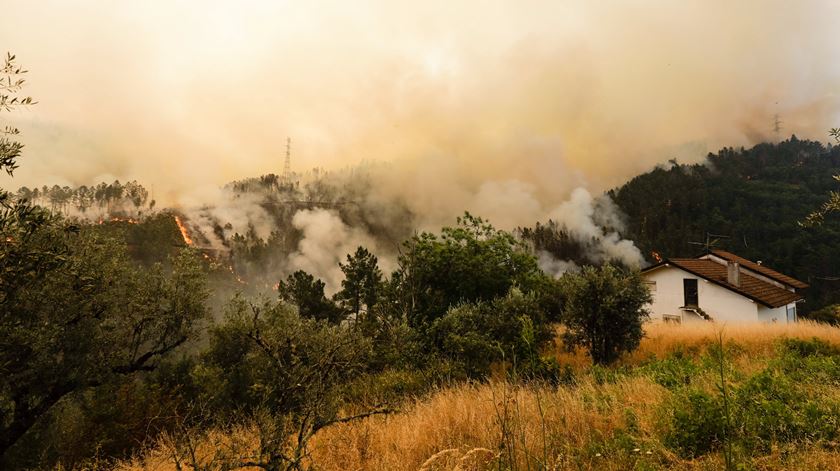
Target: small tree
<point>362,282</point>
<point>286,373</point>
<point>307,293</point>
<point>472,261</point>
<point>605,309</point>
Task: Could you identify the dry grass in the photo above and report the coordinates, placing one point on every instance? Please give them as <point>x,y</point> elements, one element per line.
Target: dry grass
<point>477,426</point>
<point>755,341</point>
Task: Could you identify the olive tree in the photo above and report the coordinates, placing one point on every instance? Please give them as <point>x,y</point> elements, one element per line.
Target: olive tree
<point>75,311</point>
<point>605,308</point>
<point>285,373</point>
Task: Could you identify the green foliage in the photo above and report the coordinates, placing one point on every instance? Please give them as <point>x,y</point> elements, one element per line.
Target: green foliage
<point>307,293</point>
<point>790,402</point>
<point>828,315</point>
<point>773,409</point>
<point>286,372</point>
<point>267,355</point>
<point>696,424</point>
<point>675,371</point>
<point>510,329</point>
<point>362,283</point>
<point>81,315</point>
<point>833,204</point>
<point>604,311</point>
<point>470,262</point>
<point>11,82</point>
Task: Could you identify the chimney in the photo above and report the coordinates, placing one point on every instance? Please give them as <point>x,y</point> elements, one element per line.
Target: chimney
<point>733,273</point>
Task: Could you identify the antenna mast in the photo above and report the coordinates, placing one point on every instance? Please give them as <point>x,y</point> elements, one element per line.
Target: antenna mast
<point>711,241</point>
<point>777,126</point>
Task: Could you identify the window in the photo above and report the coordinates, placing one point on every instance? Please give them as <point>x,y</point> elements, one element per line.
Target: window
<point>690,292</point>
<point>651,285</point>
<point>791,313</point>
<point>671,319</point>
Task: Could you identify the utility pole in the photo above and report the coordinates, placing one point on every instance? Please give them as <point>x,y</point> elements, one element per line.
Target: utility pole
<point>777,126</point>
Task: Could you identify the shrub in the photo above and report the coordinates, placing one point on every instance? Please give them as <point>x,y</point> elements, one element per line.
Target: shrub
<point>772,409</point>
<point>509,329</point>
<point>828,315</point>
<point>604,311</point>
<point>674,371</point>
<point>697,424</point>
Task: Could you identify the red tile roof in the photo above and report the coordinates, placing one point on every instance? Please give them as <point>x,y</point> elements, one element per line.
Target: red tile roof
<point>760,269</point>
<point>754,288</point>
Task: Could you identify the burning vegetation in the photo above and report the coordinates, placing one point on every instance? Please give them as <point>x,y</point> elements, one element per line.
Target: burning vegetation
<point>185,234</point>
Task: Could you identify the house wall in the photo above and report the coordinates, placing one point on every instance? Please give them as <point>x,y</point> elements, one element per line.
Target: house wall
<point>719,303</point>
<point>778,314</point>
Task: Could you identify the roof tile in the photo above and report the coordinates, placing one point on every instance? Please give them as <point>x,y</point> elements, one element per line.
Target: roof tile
<point>750,265</point>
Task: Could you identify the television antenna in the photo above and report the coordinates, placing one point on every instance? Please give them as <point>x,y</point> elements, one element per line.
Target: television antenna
<point>712,241</point>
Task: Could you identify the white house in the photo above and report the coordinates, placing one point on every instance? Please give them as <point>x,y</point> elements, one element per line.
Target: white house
<point>723,287</point>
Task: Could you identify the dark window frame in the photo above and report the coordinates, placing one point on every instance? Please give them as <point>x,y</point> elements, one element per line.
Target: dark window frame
<point>690,292</point>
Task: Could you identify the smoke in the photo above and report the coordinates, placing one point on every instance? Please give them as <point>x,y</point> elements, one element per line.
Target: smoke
<point>326,240</point>
<point>554,267</point>
<point>515,112</point>
<point>182,94</point>
<point>218,214</point>
<point>585,218</point>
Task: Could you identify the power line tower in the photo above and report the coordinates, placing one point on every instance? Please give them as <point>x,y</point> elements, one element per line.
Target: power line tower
<point>287,166</point>
<point>777,127</point>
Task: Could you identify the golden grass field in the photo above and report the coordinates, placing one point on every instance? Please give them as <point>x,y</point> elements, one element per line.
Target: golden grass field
<point>556,428</point>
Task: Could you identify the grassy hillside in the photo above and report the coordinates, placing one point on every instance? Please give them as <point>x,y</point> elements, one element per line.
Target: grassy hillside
<point>661,408</point>
<point>755,199</point>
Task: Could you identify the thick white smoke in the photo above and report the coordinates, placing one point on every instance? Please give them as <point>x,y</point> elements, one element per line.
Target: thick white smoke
<point>585,218</point>
<point>326,241</point>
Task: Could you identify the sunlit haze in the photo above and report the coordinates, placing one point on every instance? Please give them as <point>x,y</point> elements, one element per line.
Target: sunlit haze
<point>546,95</point>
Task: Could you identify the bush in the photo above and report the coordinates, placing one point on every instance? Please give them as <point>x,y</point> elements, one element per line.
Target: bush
<point>266,355</point>
<point>472,262</point>
<point>604,311</point>
<point>509,329</point>
<point>772,409</point>
<point>672,372</point>
<point>697,424</point>
<point>828,315</point>
<point>779,406</point>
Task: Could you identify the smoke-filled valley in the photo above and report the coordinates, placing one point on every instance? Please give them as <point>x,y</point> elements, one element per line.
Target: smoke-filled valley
<point>424,236</point>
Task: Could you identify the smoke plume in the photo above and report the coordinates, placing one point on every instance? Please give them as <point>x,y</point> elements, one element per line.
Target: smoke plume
<point>517,112</point>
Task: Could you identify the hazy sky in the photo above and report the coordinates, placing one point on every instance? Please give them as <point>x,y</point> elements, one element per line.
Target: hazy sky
<point>550,95</point>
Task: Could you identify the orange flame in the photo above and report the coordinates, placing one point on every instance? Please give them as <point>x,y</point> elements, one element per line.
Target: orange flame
<point>656,256</point>
<point>184,233</point>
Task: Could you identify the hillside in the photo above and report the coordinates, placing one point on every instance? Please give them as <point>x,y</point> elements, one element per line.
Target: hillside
<point>752,201</point>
